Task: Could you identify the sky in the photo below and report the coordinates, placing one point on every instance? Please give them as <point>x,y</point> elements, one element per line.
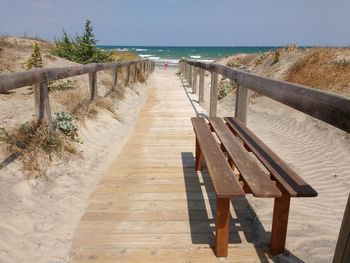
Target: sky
<point>184,22</point>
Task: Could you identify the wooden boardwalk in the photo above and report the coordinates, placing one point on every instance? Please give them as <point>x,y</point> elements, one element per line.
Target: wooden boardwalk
<point>151,206</point>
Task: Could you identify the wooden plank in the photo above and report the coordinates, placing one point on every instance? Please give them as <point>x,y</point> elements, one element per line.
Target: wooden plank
<point>282,173</point>
<point>213,94</point>
<point>325,106</point>
<point>241,107</point>
<point>224,181</point>
<point>93,85</point>
<point>279,224</point>
<point>201,86</point>
<point>258,182</point>
<point>222,222</point>
<point>135,72</point>
<point>15,80</point>
<point>194,81</point>
<point>127,79</point>
<point>115,79</point>
<point>36,94</point>
<point>342,250</point>
<point>44,104</point>
<point>191,254</point>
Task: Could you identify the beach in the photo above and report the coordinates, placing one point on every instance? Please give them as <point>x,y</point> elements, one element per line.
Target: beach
<point>47,219</point>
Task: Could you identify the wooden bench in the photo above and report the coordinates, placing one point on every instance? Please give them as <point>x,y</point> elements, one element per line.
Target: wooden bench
<point>217,138</point>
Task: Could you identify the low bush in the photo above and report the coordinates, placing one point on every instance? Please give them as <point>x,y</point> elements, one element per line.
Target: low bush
<point>64,122</point>
<point>62,85</point>
<point>81,49</point>
<point>36,144</point>
<point>226,87</point>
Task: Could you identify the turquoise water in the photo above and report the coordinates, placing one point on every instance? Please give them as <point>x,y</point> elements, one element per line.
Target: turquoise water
<point>174,54</point>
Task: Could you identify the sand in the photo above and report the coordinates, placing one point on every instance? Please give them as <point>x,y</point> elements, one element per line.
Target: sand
<point>320,153</point>
<point>38,217</point>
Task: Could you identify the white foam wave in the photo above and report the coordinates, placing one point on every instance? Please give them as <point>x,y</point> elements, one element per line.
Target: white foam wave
<point>141,49</point>
<point>122,49</point>
<point>145,55</point>
<point>195,56</point>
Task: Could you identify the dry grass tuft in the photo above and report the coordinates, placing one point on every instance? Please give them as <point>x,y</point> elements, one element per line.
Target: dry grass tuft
<point>322,68</point>
<point>140,77</point>
<point>125,56</point>
<point>104,103</point>
<point>36,145</point>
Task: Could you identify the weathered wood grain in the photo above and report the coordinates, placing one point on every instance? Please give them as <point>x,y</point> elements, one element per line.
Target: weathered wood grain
<point>325,106</point>
<point>213,94</point>
<point>342,250</point>
<point>15,80</point>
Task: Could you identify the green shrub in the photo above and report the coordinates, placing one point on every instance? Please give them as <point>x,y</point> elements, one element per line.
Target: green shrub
<point>226,87</point>
<point>64,123</point>
<point>62,85</point>
<point>236,64</point>
<point>35,60</point>
<point>35,143</point>
<point>81,49</point>
<point>276,57</point>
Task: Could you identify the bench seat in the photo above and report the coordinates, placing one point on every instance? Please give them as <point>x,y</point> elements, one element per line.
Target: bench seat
<point>239,174</point>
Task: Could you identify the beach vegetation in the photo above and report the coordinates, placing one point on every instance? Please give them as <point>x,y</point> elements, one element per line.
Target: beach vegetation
<point>226,87</point>
<point>292,48</point>
<point>262,57</point>
<point>62,85</point>
<point>236,64</point>
<point>276,57</point>
<point>36,144</point>
<point>35,60</point>
<point>323,68</point>
<point>82,48</point>
<point>124,55</point>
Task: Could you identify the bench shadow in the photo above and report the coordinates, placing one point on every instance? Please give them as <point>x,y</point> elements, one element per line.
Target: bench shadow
<point>8,160</point>
<point>201,202</point>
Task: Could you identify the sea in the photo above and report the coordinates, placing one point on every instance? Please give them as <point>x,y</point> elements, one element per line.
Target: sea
<point>172,54</point>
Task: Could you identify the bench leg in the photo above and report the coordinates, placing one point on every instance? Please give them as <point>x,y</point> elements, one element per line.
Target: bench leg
<point>222,222</point>
<point>279,224</point>
<point>199,157</point>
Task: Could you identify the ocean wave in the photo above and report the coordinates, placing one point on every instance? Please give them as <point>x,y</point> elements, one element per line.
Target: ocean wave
<point>195,56</point>
<point>145,55</point>
<point>154,58</point>
<point>141,49</point>
<point>122,49</point>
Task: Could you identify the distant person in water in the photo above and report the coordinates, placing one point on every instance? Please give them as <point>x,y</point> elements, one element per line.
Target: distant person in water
<point>165,65</point>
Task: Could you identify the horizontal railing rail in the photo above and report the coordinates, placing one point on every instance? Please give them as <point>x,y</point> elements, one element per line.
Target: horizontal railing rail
<point>10,81</point>
<point>40,77</point>
<point>325,106</point>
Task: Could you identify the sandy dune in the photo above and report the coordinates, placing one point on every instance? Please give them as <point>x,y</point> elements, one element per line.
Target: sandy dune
<point>38,218</point>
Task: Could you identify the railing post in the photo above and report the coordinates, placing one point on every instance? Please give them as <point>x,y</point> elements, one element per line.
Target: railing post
<point>36,93</point>
<point>201,85</point>
<point>190,76</point>
<point>194,80</point>
<point>115,78</point>
<point>342,250</point>
<point>136,68</point>
<point>42,103</point>
<point>213,94</point>
<point>127,79</point>
<point>241,104</point>
<point>93,85</point>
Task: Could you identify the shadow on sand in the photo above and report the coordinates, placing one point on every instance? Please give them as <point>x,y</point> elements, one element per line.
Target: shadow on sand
<point>201,209</point>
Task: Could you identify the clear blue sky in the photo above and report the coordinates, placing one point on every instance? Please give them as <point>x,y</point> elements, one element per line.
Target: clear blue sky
<point>184,22</point>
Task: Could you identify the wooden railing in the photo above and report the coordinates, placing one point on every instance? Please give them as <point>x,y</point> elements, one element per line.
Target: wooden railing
<point>40,77</point>
<point>325,106</point>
